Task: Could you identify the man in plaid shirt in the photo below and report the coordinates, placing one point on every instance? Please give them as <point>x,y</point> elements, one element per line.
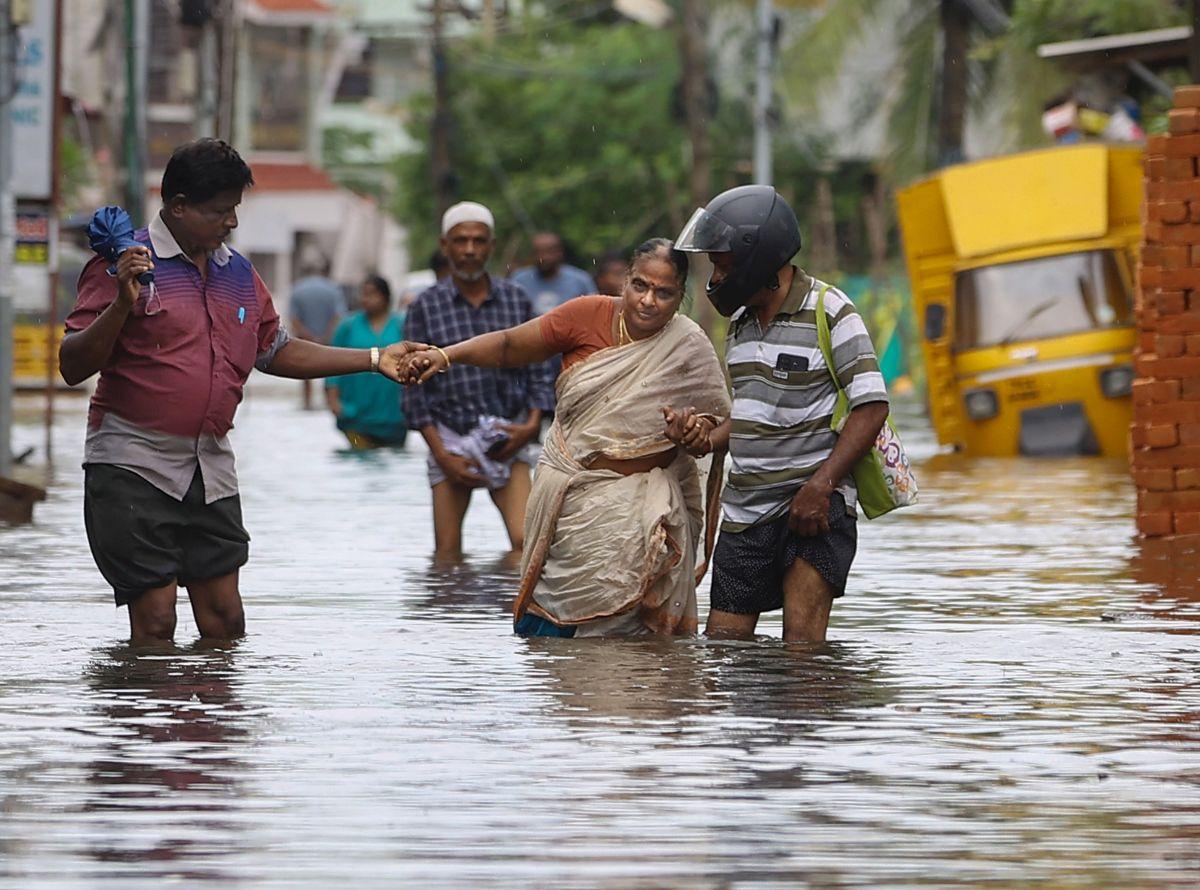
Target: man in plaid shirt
<point>479,423</point>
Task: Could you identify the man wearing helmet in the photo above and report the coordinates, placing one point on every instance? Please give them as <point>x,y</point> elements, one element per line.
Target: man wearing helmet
<point>788,533</point>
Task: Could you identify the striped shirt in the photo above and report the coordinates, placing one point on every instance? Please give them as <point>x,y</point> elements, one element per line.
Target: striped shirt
<point>784,397</point>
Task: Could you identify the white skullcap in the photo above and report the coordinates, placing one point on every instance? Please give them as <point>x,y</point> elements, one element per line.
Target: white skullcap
<point>467,211</point>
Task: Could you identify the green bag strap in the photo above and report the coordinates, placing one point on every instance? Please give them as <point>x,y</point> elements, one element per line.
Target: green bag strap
<point>825,340</point>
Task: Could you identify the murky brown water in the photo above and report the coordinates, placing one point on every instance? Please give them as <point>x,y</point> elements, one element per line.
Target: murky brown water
<point>1010,697</point>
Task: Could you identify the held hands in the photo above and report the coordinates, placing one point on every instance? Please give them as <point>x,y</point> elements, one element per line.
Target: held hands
<point>689,430</point>
<point>423,364</point>
<point>130,264</point>
<point>393,360</point>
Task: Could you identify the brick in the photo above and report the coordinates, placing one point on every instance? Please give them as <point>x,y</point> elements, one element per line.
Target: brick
<point>1172,234</point>
<point>1162,435</point>
<point>1179,456</point>
<point>1169,345</point>
<point>1178,169</point>
<point>1169,255</point>
<point>1157,144</point>
<point>1189,434</point>
<point>1174,368</point>
<point>1193,211</point>
<point>1143,392</point>
<point>1177,146</point>
<point>1172,501</point>
<point>1187,523</point>
<point>1145,344</point>
<point>1180,278</point>
<point>1173,212</point>
<point>1186,322</point>
<point>1182,121</point>
<point>1189,390</point>
<point>1150,277</point>
<point>1164,391</point>
<point>1191,344</point>
<point>1156,169</point>
<point>1155,480</point>
<point>1170,413</point>
<point>1172,191</point>
<point>1137,436</point>
<point>1186,96</point>
<point>1170,302</point>
<point>1155,525</point>
<point>1186,479</point>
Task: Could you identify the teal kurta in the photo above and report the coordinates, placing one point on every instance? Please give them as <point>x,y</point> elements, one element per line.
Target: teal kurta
<point>371,404</point>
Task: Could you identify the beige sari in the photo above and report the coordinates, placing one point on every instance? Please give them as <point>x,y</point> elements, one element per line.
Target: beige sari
<point>612,554</point>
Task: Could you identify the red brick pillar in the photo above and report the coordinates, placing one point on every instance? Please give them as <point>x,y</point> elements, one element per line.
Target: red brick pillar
<point>1165,436</point>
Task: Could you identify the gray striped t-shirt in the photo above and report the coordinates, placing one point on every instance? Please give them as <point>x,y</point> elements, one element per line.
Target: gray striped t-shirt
<point>784,397</point>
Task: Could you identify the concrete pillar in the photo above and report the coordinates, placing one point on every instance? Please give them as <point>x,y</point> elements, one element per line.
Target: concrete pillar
<point>1165,436</point>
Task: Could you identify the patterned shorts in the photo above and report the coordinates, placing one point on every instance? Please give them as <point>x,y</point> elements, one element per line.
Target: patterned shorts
<point>748,566</point>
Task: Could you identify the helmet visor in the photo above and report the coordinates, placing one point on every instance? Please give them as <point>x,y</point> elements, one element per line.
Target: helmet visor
<point>705,233</point>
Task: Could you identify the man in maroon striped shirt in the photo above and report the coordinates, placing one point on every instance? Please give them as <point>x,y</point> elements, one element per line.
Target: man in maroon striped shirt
<point>161,500</point>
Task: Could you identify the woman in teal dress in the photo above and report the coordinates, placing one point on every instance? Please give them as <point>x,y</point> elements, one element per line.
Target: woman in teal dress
<point>367,406</point>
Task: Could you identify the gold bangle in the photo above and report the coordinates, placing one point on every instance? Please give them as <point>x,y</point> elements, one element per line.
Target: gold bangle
<point>445,356</point>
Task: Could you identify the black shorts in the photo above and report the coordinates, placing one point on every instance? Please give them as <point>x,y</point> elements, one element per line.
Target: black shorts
<point>142,538</point>
<point>748,566</point>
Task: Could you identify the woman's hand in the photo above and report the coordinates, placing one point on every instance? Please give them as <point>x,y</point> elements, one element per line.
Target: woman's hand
<point>395,359</point>
<point>689,430</point>
<point>423,364</point>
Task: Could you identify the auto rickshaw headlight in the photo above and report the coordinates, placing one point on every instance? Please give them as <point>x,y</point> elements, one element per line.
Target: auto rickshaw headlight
<point>1117,382</point>
<point>981,404</point>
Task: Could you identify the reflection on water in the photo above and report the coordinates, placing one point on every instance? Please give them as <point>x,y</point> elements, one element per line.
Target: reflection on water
<point>170,729</point>
<point>1009,696</point>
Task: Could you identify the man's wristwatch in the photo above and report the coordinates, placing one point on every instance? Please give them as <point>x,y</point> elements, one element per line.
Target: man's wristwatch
<point>374,358</point>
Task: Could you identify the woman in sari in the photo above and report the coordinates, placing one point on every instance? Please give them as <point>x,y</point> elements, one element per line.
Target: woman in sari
<point>615,516</point>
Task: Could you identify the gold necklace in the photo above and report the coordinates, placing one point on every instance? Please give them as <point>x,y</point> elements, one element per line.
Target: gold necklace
<point>624,331</point>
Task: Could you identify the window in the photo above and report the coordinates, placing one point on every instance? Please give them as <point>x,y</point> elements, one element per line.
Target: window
<point>1039,299</point>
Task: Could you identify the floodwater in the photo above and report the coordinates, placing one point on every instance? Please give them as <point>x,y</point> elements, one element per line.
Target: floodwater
<point>1009,697</point>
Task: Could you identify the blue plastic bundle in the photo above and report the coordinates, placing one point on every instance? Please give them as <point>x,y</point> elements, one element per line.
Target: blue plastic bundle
<point>110,234</point>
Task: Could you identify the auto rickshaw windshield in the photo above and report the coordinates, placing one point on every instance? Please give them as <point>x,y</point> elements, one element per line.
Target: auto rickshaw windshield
<point>1039,299</point>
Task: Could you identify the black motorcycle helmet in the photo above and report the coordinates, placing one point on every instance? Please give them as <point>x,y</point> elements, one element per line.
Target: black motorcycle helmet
<point>760,229</point>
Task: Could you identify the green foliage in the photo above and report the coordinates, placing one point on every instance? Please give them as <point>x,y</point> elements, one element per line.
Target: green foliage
<point>1035,22</point>
<point>571,130</point>
<point>76,170</point>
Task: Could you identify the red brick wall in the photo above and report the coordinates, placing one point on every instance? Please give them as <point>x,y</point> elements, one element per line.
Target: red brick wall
<point>1165,436</point>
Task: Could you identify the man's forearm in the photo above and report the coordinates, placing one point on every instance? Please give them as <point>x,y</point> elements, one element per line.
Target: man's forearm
<point>82,353</point>
<point>306,360</point>
<point>856,438</point>
<point>718,439</point>
<point>434,440</point>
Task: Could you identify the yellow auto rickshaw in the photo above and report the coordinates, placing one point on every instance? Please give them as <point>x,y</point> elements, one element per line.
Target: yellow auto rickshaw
<point>1022,273</point>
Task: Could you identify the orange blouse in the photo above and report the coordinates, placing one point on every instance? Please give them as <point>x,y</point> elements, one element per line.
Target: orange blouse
<point>580,327</point>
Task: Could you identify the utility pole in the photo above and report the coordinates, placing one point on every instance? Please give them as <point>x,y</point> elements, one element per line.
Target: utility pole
<point>441,167</point>
<point>952,100</point>
<point>137,23</point>
<point>205,17</point>
<point>694,89</point>
<point>764,173</point>
<point>7,232</point>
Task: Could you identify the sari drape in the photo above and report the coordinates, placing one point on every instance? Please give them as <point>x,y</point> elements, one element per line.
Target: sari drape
<point>614,554</point>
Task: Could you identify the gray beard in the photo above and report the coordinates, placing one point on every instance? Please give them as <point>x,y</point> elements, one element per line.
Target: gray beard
<point>471,277</point>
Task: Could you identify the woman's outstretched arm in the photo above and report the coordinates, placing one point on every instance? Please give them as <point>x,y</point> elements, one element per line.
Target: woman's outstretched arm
<point>510,348</point>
